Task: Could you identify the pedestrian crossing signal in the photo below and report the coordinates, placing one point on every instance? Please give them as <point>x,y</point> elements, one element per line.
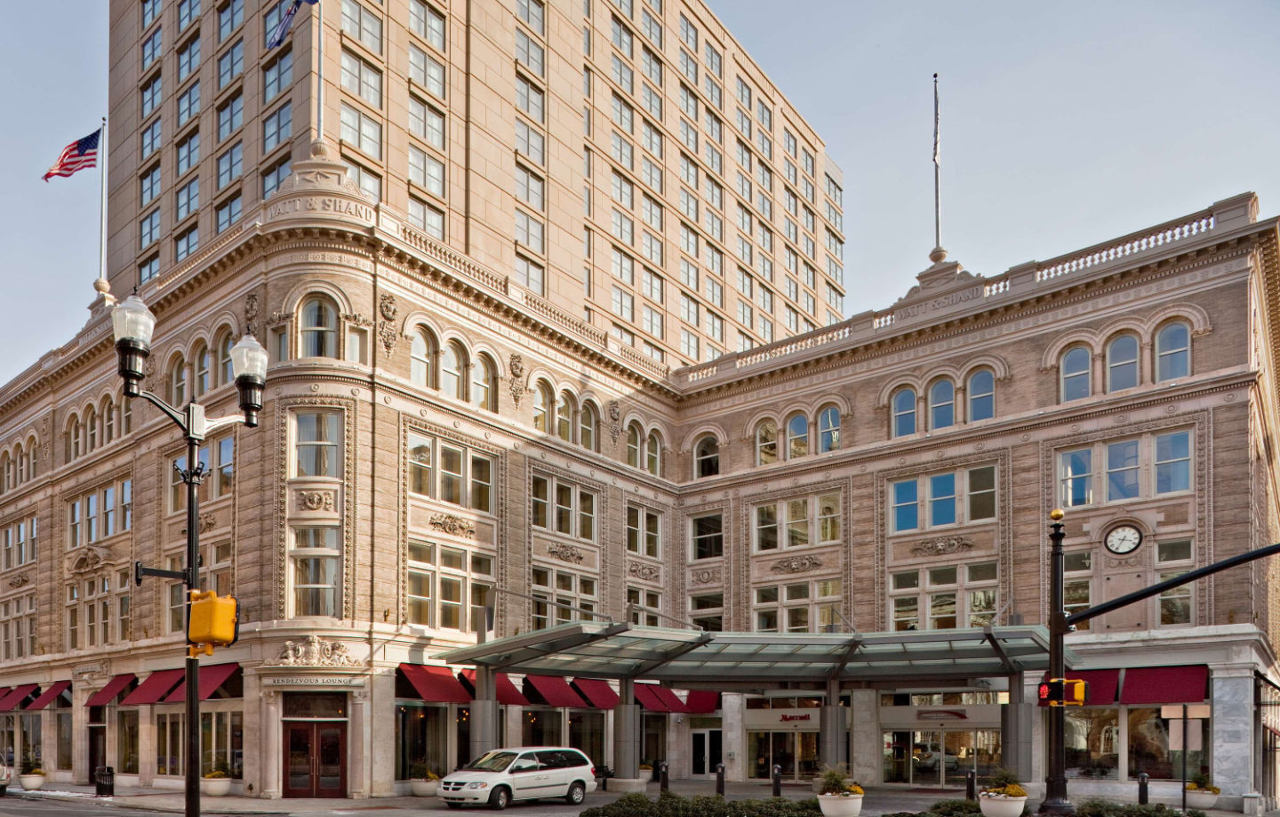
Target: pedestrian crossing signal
<point>1063,691</point>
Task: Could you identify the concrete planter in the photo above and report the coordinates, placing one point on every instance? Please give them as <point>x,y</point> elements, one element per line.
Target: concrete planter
<point>424,788</point>
<point>1201,799</point>
<point>31,782</point>
<point>1002,806</point>
<point>215,786</point>
<point>840,805</point>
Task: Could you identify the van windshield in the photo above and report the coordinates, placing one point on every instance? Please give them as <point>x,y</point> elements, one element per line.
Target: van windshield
<point>492,761</point>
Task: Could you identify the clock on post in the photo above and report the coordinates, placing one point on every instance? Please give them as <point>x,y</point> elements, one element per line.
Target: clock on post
<point>1123,539</point>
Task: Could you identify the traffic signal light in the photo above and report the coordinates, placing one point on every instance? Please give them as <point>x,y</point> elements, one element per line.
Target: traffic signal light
<point>214,620</point>
<point>1063,691</point>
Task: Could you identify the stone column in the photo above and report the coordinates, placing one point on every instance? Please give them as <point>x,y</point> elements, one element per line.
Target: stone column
<point>269,737</point>
<point>734,736</point>
<point>146,746</point>
<point>867,763</point>
<point>484,714</point>
<point>1016,730</point>
<point>833,735</point>
<point>626,740</point>
<point>1232,734</point>
<point>251,774</point>
<point>359,743</point>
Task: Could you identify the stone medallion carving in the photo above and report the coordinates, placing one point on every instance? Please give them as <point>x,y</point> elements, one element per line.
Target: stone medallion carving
<point>313,652</point>
<point>795,564</point>
<point>942,546</point>
<point>20,581</point>
<point>86,559</point>
<point>251,313</point>
<point>387,331</point>
<point>452,525</point>
<point>615,420</point>
<point>317,500</point>
<point>566,553</point>
<point>516,382</point>
<point>643,571</point>
<point>206,522</point>
<point>705,575</point>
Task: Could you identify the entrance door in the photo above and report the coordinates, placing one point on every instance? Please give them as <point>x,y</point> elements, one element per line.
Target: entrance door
<point>315,759</point>
<point>704,752</point>
<point>97,748</point>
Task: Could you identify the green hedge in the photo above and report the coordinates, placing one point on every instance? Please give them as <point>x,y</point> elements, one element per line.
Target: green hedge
<point>1104,808</point>
<point>673,805</point>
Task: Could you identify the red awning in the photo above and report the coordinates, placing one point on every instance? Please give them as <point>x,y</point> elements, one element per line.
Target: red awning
<point>48,695</point>
<point>15,696</point>
<point>597,693</point>
<point>647,697</point>
<point>1102,685</point>
<point>154,688</point>
<point>109,692</point>
<point>211,678</point>
<point>555,690</point>
<point>702,701</point>
<point>508,695</point>
<point>672,700</point>
<point>436,684</point>
<point>1165,685</point>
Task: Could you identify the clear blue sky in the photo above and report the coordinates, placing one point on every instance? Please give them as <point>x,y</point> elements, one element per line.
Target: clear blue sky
<point>1062,125</point>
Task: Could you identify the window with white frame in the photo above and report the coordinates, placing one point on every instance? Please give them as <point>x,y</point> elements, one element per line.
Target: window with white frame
<point>450,472</point>
<point>644,531</point>
<point>940,500</point>
<point>943,597</point>
<point>1123,470</point>
<point>561,595</point>
<point>448,586</point>
<point>562,507</point>
<point>91,517</point>
<point>21,543</point>
<point>1173,351</point>
<point>18,627</point>
<point>1077,585</point>
<point>1173,558</point>
<point>315,580</point>
<point>799,522</point>
<point>1075,372</point>
<point>797,607</point>
<point>318,443</point>
<point>706,610</point>
<point>644,606</point>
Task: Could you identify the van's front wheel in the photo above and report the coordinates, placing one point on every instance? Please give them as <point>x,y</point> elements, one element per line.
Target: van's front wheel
<point>501,798</point>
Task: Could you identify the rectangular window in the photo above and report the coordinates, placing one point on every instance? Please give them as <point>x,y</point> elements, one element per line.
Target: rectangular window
<point>529,99</point>
<point>1173,462</point>
<point>427,23</point>
<point>230,116</point>
<point>228,212</point>
<point>562,507</point>
<point>277,76</point>
<point>188,104</point>
<point>230,16</point>
<point>187,199</point>
<point>1122,470</point>
<point>316,574</point>
<point>230,64</point>
<point>186,243</point>
<point>644,531</point>
<point>273,176</point>
<point>318,444</point>
<point>529,142</point>
<point>427,71</point>
<point>362,79</point>
<point>361,131</point>
<point>362,24</point>
<point>150,138</point>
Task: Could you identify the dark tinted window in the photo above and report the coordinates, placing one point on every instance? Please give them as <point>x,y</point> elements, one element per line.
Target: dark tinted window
<point>553,760</point>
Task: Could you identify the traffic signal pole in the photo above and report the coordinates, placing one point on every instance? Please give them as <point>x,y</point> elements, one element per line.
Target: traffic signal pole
<point>1055,801</point>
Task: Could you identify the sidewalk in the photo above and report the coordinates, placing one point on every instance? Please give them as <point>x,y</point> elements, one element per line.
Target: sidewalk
<point>878,801</point>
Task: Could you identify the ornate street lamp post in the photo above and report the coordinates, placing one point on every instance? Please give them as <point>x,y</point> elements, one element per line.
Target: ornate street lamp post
<point>133,324</point>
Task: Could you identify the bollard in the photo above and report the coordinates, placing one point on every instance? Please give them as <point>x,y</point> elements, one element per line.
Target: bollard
<point>777,780</point>
<point>1143,777</point>
<point>720,779</point>
<point>663,782</point>
<point>971,785</point>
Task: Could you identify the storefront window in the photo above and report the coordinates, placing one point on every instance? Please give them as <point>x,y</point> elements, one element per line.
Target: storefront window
<point>1092,738</point>
<point>222,743</point>
<point>1156,745</point>
<point>126,741</point>
<point>421,737</point>
<point>586,732</point>
<point>541,727</point>
<point>64,740</point>
<point>31,744</point>
<point>169,747</point>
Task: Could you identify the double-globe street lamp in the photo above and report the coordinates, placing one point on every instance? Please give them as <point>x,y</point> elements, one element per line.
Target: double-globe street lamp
<point>133,325</point>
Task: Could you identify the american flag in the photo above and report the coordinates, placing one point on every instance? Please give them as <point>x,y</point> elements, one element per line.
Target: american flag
<point>286,20</point>
<point>78,155</point>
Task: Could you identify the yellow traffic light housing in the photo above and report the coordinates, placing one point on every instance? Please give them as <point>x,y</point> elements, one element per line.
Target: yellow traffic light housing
<point>1074,691</point>
<point>214,620</point>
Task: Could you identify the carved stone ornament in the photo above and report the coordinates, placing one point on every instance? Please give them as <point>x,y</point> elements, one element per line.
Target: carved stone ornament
<point>251,313</point>
<point>387,306</point>
<point>279,318</point>
<point>387,330</point>
<point>206,523</point>
<point>315,653</point>
<point>357,319</point>
<point>615,417</point>
<point>452,525</point>
<point>86,559</point>
<point>942,546</point>
<point>316,500</point>
<point>705,575</point>
<point>644,571</point>
<point>517,383</point>
<point>566,553</point>
<point>20,581</point>
<point>795,564</point>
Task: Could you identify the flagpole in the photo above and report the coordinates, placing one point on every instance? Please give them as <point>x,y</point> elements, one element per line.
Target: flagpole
<point>937,195</point>
<point>319,18</point>
<point>103,286</point>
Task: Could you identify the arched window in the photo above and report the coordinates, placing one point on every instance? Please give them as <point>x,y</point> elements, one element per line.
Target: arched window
<point>91,429</point>
<point>635,437</point>
<point>33,458</point>
<point>565,409</point>
<point>6,472</point>
<point>1173,352</point>
<point>797,436</point>
<point>20,460</point>
<point>201,361</point>
<point>828,429</point>
<point>942,404</point>
<point>75,435</point>
<point>108,420</point>
<point>226,372</point>
<point>766,442</point>
<point>1075,373</point>
<point>178,382</point>
<point>706,457</point>
<point>453,370</point>
<point>542,407</point>
<point>982,395</point>
<point>319,328</point>
<point>126,416</point>
<point>653,454</point>
<point>421,349</point>
<point>904,412</point>
<point>1122,363</point>
<point>484,377</point>
<point>588,422</point>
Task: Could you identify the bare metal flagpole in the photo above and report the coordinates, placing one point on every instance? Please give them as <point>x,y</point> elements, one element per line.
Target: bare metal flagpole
<point>102,226</point>
<point>937,163</point>
<point>319,18</point>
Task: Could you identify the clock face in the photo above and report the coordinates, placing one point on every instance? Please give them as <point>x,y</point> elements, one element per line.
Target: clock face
<point>1124,539</point>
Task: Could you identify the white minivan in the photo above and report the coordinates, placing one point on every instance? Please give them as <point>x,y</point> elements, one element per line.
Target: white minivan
<point>525,773</point>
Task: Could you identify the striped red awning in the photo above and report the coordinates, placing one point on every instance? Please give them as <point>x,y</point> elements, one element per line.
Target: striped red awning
<point>211,678</point>
<point>48,695</point>
<point>154,688</point>
<point>436,684</point>
<point>596,692</point>
<point>109,692</point>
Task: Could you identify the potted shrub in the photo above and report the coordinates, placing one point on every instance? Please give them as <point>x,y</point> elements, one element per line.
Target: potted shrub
<point>217,781</point>
<point>837,797</point>
<point>1002,796</point>
<point>1201,793</point>
<point>31,775</point>
<point>422,781</point>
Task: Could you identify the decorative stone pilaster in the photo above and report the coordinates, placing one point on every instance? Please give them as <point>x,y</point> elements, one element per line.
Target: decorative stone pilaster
<point>1233,736</point>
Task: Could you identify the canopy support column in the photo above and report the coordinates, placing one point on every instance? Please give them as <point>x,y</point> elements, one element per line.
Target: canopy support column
<point>484,713</point>
<point>833,740</point>
<point>626,740</point>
